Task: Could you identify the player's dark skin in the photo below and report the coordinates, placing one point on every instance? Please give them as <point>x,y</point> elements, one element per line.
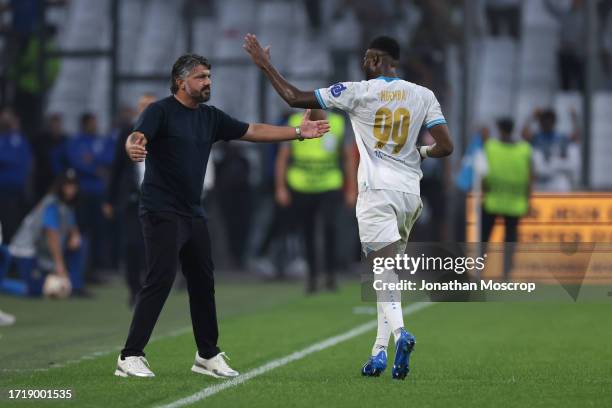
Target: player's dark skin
<point>375,63</point>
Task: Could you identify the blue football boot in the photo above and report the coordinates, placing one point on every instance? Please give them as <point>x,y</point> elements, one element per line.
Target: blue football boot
<point>403,349</point>
<point>375,365</point>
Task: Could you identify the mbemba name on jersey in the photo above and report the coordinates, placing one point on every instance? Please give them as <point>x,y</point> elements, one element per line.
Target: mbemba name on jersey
<point>387,115</point>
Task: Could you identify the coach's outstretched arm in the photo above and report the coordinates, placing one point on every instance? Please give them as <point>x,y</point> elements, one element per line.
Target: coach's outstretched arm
<point>308,129</point>
<point>293,96</point>
<point>256,132</point>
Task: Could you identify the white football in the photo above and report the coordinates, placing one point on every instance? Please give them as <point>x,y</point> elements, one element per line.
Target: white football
<point>56,287</point>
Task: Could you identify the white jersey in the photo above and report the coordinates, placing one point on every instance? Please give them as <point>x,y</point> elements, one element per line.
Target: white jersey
<point>387,115</point>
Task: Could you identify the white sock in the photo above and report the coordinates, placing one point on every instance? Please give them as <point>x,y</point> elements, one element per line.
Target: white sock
<point>391,304</point>
<point>383,333</point>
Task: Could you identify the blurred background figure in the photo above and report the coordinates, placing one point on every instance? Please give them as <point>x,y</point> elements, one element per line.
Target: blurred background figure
<point>15,166</point>
<point>234,197</point>
<point>6,319</point>
<point>556,156</point>
<point>49,241</point>
<point>507,187</point>
<point>309,179</point>
<point>91,155</point>
<point>49,147</point>
<point>504,17</point>
<point>121,202</point>
<point>483,59</point>
<point>571,51</point>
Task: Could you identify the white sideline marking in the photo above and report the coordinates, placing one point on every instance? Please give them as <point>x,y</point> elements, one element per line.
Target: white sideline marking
<point>298,355</point>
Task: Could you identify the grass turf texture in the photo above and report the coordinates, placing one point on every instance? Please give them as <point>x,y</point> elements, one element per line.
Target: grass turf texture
<point>467,354</point>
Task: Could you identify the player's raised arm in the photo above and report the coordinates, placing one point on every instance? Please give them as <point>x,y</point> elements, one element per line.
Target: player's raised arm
<point>308,129</point>
<point>293,96</point>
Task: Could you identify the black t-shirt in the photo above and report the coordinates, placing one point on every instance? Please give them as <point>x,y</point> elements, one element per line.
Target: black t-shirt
<point>179,143</point>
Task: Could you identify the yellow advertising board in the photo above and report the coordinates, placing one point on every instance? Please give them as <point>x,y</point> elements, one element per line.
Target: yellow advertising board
<point>562,217</point>
<point>557,218</point>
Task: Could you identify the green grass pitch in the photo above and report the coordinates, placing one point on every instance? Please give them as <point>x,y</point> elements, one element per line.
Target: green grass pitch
<point>467,354</point>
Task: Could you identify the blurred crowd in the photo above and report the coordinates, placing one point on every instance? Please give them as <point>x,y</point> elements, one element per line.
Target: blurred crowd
<point>269,219</point>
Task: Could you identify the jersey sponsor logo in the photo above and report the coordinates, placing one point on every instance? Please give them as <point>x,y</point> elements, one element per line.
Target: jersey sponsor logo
<point>336,89</point>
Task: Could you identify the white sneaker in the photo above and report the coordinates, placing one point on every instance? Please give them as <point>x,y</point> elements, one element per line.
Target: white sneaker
<point>6,319</point>
<point>133,366</point>
<point>215,367</point>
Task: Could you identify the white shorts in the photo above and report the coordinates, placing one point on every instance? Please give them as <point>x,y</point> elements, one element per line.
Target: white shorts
<point>386,217</point>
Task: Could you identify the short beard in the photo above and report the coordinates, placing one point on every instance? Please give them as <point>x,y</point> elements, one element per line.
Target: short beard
<point>201,97</point>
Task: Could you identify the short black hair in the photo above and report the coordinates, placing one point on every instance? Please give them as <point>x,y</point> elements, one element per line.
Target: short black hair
<point>66,177</point>
<point>183,66</point>
<point>505,125</point>
<point>86,117</point>
<point>548,114</point>
<point>386,44</point>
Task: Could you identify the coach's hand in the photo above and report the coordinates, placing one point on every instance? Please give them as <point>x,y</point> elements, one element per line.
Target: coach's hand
<point>311,129</point>
<point>135,146</point>
<point>259,55</point>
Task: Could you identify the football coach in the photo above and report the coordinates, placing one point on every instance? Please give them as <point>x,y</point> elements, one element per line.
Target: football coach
<point>174,136</point>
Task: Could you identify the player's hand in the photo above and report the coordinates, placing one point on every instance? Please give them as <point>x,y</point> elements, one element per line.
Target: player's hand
<point>311,129</point>
<point>259,55</point>
<point>282,197</point>
<point>135,147</point>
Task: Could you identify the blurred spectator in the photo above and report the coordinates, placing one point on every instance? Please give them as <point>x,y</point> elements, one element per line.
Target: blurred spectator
<point>556,157</point>
<point>29,90</point>
<point>425,63</point>
<point>49,241</point>
<point>313,13</point>
<point>15,164</point>
<point>374,16</point>
<point>91,155</point>
<point>429,225</point>
<point>507,187</point>
<point>49,148</point>
<point>504,16</point>
<point>122,198</point>
<point>233,192</point>
<point>6,319</point>
<point>276,227</point>
<point>606,42</point>
<point>473,165</point>
<point>309,177</point>
<point>571,53</point>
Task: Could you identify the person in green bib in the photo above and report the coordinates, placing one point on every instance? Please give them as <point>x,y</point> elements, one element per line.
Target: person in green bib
<point>310,176</point>
<point>507,186</point>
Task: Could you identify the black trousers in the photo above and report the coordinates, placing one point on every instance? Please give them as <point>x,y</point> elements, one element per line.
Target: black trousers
<point>307,208</point>
<point>169,239</point>
<point>510,238</point>
<point>133,249</point>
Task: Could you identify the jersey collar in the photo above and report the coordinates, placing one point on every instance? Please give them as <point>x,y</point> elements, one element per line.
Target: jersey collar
<point>388,79</point>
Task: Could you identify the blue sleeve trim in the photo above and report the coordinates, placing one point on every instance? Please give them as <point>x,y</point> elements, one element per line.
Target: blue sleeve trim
<point>51,217</point>
<point>435,123</point>
<point>320,99</point>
